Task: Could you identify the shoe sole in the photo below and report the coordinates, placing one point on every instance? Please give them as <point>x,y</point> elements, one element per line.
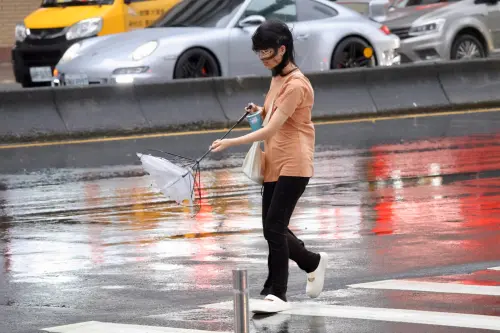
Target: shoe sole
<point>268,312</point>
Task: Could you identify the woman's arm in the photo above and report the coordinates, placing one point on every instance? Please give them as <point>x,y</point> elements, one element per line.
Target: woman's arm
<point>277,120</point>
<point>287,103</point>
<point>267,131</point>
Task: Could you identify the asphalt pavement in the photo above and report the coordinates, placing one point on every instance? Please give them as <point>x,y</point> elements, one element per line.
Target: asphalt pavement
<point>407,210</point>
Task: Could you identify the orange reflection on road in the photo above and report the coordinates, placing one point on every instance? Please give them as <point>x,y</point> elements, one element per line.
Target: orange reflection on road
<point>92,199</point>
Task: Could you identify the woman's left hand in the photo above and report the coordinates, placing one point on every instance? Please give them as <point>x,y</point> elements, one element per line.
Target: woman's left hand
<point>220,145</point>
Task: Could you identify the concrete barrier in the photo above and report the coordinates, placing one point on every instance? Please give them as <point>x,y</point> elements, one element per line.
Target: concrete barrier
<point>179,103</point>
<point>98,109</point>
<point>213,103</point>
<point>331,90</point>
<point>29,114</point>
<point>234,94</point>
<point>405,87</point>
<point>472,82</point>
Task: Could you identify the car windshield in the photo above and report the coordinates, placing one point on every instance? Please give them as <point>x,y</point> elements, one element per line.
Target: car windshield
<point>64,3</point>
<point>199,13</point>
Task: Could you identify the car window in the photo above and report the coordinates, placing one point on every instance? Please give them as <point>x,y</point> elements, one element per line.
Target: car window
<point>284,10</point>
<point>359,7</point>
<point>309,10</point>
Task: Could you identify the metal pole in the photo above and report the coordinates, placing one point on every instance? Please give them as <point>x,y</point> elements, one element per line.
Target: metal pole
<point>241,295</point>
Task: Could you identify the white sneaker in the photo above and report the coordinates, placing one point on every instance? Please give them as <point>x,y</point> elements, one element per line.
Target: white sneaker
<point>270,304</point>
<point>316,279</point>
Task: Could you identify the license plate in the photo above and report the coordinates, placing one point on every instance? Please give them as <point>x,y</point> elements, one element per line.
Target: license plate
<point>76,79</point>
<point>41,74</point>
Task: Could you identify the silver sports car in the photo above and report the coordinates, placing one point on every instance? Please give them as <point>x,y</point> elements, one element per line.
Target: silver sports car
<point>203,38</point>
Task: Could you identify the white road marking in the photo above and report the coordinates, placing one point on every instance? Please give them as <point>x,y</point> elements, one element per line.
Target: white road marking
<point>382,314</point>
<point>495,268</point>
<point>101,327</point>
<point>113,287</point>
<point>455,288</point>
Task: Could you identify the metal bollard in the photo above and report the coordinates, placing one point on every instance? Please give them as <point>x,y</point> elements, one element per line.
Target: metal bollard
<point>241,296</point>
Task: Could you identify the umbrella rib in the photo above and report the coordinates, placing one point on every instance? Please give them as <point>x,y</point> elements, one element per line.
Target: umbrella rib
<point>183,157</point>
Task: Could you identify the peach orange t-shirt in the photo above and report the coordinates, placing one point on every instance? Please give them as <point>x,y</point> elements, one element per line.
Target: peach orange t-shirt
<point>290,151</point>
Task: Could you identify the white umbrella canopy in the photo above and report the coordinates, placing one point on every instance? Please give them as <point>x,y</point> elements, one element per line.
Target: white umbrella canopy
<point>175,182</point>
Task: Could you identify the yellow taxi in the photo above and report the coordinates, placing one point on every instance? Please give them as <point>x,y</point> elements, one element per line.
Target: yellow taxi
<point>49,31</point>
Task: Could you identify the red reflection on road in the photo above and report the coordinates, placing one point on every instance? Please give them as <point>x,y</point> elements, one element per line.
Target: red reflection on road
<point>431,189</point>
<point>439,156</point>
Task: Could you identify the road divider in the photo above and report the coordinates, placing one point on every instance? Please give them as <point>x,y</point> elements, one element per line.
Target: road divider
<point>212,103</point>
<point>179,104</point>
<point>99,109</point>
<point>29,113</point>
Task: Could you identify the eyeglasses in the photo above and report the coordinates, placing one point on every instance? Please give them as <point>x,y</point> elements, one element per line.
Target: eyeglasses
<point>266,54</point>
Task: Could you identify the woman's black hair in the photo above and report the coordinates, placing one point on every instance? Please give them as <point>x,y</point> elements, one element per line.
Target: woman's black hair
<point>272,34</point>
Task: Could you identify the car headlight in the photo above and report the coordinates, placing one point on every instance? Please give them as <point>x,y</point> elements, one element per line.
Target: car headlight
<point>21,32</point>
<point>427,28</point>
<point>144,50</point>
<point>71,53</point>
<point>84,28</point>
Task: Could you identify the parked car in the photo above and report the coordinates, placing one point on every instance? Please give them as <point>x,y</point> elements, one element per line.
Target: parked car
<point>204,38</point>
<point>449,30</point>
<point>50,30</point>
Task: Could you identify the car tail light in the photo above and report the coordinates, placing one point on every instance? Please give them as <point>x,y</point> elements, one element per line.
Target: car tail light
<point>385,29</point>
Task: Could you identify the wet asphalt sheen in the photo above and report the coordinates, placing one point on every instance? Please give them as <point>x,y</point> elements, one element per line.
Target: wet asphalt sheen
<point>407,209</point>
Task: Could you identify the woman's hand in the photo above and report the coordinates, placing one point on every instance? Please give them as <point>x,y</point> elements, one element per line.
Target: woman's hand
<point>220,145</point>
<point>252,108</point>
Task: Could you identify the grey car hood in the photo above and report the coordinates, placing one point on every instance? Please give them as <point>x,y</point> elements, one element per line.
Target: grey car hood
<point>404,17</point>
<point>129,41</point>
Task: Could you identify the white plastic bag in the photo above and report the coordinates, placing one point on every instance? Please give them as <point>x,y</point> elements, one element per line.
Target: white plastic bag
<point>252,165</point>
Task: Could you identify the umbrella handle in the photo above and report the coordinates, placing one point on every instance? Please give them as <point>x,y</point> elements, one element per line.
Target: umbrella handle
<point>227,133</point>
<point>239,121</point>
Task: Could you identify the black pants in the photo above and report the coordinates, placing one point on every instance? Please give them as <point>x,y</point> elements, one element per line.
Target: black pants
<point>278,202</point>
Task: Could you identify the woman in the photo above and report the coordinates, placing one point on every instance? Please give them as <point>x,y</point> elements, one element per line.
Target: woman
<point>289,139</point>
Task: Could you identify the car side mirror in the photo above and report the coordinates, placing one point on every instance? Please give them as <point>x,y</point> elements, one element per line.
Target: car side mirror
<point>252,20</point>
<point>378,9</point>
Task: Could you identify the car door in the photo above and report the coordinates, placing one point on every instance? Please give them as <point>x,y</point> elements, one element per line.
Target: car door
<point>142,13</point>
<point>242,60</point>
<point>311,13</point>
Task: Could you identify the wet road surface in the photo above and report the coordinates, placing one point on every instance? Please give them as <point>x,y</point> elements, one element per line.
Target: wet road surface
<point>412,229</point>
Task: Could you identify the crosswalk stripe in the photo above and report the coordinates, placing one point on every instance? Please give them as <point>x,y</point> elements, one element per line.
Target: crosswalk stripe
<point>382,314</point>
<point>455,288</point>
<point>102,327</point>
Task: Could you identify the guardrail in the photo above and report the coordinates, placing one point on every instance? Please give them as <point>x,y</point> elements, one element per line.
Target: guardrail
<point>62,112</point>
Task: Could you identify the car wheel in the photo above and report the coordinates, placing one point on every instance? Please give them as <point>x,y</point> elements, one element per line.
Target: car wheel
<point>467,47</point>
<point>353,52</point>
<point>196,63</point>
